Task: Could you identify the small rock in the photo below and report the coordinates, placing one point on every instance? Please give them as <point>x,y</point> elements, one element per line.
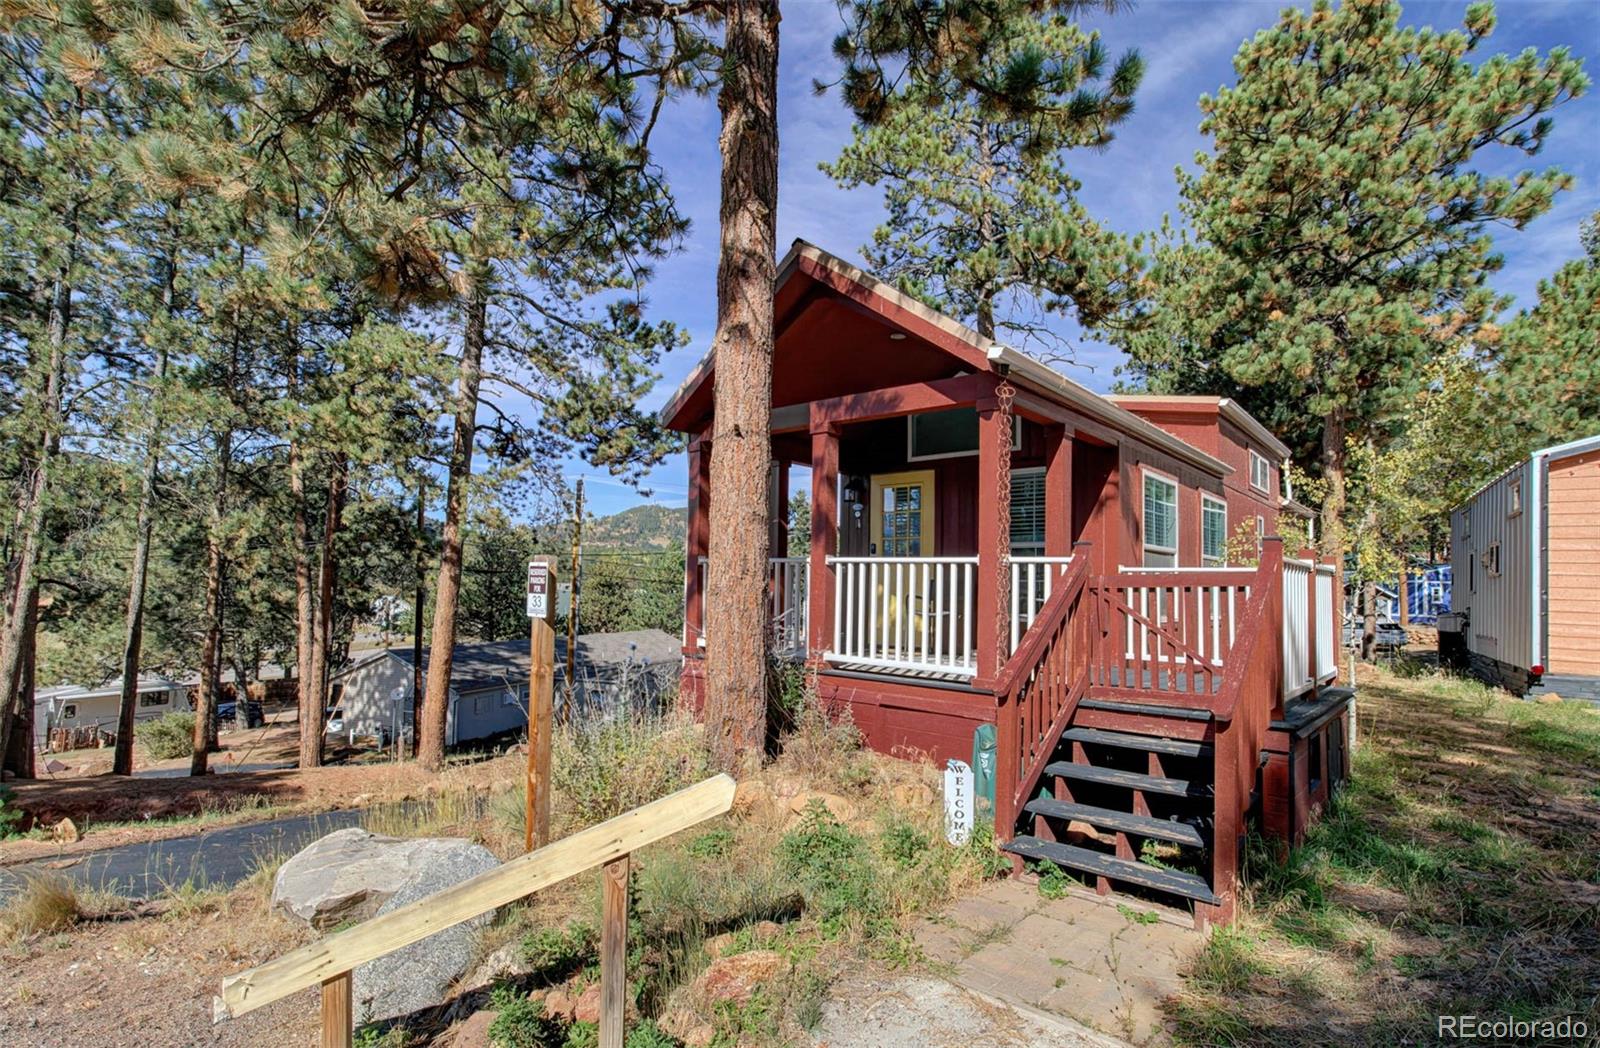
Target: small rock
<point>66,831</point>
<point>753,798</point>
<point>840,808</point>
<point>506,962</point>
<point>687,1027</point>
<point>718,945</point>
<point>768,929</point>
<point>912,795</point>
<point>54,766</point>
<point>586,1009</point>
<point>736,978</point>
<point>361,800</point>
<point>558,1004</point>
<point>474,1031</point>
<point>1548,699</point>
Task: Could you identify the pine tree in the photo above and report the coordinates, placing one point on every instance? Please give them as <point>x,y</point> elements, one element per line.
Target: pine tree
<point>1342,226</point>
<point>1547,377</point>
<point>983,220</point>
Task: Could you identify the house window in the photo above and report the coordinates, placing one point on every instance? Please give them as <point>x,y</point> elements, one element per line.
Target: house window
<point>509,697</point>
<point>1260,472</point>
<point>1491,560</point>
<point>949,434</point>
<point>1516,498</point>
<point>478,703</point>
<point>1160,521</point>
<point>152,698</point>
<point>1027,512</point>
<point>1261,533</point>
<point>69,711</point>
<point>1213,531</point>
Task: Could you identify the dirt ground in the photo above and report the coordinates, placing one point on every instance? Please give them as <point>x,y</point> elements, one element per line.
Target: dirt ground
<point>109,811</point>
<point>148,980</point>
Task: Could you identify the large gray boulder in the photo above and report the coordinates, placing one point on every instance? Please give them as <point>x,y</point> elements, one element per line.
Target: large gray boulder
<point>349,874</point>
<point>420,975</point>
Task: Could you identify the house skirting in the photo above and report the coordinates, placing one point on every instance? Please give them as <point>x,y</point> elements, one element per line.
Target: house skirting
<point>927,722</point>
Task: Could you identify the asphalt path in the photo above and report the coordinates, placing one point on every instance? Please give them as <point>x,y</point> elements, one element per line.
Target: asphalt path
<point>215,858</point>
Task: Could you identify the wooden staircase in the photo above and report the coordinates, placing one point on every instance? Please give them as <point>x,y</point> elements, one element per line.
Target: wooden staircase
<point>1132,719</point>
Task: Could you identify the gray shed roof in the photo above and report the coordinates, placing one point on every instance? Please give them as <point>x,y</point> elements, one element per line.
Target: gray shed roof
<point>478,666</point>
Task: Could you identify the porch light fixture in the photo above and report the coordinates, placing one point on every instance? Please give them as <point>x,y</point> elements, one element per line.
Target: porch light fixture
<point>897,336</point>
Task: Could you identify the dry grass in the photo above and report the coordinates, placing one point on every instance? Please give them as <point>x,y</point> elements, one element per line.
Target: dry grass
<point>46,903</point>
<point>1456,874</point>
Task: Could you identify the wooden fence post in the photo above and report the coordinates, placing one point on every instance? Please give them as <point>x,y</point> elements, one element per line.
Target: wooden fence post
<point>614,952</point>
<point>541,705</point>
<point>336,1012</point>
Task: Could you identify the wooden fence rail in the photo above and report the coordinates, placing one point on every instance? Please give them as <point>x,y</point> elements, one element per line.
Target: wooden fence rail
<point>328,962</point>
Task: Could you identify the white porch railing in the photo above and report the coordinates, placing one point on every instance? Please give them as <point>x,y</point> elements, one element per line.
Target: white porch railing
<point>788,604</point>
<point>1327,624</point>
<point>912,613</point>
<point>1297,627</point>
<point>1031,578</point>
<point>1208,611</point>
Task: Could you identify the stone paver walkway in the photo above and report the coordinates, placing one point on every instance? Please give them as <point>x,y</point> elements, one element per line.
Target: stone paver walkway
<point>1100,962</point>
<point>913,1011</point>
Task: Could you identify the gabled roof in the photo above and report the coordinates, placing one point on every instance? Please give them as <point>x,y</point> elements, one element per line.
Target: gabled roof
<point>1227,407</point>
<point>475,667</point>
<point>977,351</point>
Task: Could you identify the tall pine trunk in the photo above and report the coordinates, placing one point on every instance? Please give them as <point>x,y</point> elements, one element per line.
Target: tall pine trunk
<point>310,703</point>
<point>419,598</point>
<point>138,573</point>
<point>327,581</point>
<point>741,442</point>
<point>30,536</point>
<point>447,589</point>
<point>18,758</point>
<point>205,706</point>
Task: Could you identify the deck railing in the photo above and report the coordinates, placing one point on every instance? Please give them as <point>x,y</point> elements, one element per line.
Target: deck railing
<point>1168,629</point>
<point>1327,624</point>
<point>1039,688</point>
<point>329,961</point>
<point>788,604</point>
<point>911,613</point>
<point>1032,579</point>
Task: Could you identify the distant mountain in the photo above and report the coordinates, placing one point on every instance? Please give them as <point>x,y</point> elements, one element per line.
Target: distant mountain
<point>642,527</point>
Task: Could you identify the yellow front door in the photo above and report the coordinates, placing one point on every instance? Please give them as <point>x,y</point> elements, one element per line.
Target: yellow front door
<point>902,514</point>
<point>902,526</point>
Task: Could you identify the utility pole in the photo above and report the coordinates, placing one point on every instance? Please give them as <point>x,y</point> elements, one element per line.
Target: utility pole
<point>572,604</point>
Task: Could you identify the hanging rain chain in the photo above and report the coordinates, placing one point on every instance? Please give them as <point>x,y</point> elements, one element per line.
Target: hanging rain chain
<point>1005,393</point>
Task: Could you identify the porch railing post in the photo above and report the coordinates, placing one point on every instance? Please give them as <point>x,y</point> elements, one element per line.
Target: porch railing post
<point>824,538</point>
<point>699,532</point>
<point>1058,492</point>
<point>1312,641</point>
<point>994,460</point>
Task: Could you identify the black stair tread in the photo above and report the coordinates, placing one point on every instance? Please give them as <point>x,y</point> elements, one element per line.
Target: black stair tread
<point>1150,743</point>
<point>1146,709</point>
<point>1175,882</point>
<point>1127,822</point>
<point>1131,779</point>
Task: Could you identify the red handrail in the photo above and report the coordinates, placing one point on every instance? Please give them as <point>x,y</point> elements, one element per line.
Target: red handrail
<point>1038,689</point>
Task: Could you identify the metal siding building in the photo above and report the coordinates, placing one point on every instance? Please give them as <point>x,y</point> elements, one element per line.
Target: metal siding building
<point>1500,546</point>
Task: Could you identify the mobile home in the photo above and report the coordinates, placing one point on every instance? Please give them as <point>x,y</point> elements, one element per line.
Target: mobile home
<point>1525,550</point>
<point>88,713</point>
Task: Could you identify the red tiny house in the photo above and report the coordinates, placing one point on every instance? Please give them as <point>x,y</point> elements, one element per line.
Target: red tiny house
<point>994,543</point>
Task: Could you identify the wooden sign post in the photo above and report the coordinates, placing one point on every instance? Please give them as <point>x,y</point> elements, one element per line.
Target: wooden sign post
<point>541,686</point>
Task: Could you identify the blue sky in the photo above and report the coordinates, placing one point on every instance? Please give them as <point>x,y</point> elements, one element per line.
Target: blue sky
<point>1188,46</point>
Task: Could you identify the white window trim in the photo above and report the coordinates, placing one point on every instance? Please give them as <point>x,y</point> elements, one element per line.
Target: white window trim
<point>1207,500</point>
<point>1516,499</point>
<point>1261,533</point>
<point>1016,439</point>
<point>1028,549</point>
<point>1177,515</point>
<point>1266,485</point>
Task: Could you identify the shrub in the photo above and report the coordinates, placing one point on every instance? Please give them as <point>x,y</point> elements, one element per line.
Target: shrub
<point>602,769</point>
<point>834,867</point>
<point>45,904</point>
<point>166,737</point>
<point>521,1023</point>
<point>10,815</point>
<point>555,953</point>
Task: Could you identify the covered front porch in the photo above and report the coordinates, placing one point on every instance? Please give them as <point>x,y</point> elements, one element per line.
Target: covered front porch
<point>940,520</point>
